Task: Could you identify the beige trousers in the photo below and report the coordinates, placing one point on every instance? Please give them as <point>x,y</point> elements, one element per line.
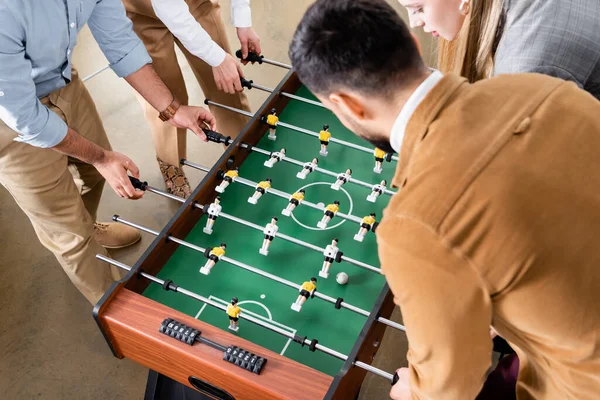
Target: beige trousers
<point>59,194</point>
<point>170,142</point>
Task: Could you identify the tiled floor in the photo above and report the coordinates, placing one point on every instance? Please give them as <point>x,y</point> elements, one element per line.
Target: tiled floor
<point>50,347</point>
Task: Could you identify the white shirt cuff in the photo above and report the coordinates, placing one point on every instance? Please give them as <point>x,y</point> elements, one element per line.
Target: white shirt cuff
<point>241,17</point>
<point>215,55</point>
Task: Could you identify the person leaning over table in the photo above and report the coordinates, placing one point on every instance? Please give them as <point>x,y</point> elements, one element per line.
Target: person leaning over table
<point>497,213</point>
<point>197,27</point>
<point>54,152</point>
<point>483,38</point>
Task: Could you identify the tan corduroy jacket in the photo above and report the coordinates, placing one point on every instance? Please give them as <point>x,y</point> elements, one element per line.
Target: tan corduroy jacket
<point>497,222</point>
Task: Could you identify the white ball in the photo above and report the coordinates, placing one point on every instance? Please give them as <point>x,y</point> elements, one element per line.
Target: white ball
<point>342,278</point>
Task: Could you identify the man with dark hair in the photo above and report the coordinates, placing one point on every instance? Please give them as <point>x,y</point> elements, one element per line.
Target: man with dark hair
<point>497,215</point>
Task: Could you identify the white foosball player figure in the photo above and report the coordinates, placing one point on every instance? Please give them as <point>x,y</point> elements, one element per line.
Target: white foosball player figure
<point>377,191</point>
<point>270,232</point>
<point>213,257</point>
<point>307,290</point>
<point>379,156</point>
<point>324,137</point>
<point>275,157</point>
<point>228,178</point>
<point>272,121</point>
<point>214,209</point>
<point>261,188</point>
<point>341,179</point>
<point>330,254</point>
<point>295,200</point>
<point>307,168</point>
<point>365,226</point>
<point>233,311</point>
<point>329,213</point>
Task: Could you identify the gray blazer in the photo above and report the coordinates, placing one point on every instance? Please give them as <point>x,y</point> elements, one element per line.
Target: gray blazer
<point>560,38</point>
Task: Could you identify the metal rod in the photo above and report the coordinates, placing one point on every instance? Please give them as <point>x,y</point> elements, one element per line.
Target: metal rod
<point>256,321</point>
<point>392,324</point>
<point>236,110</point>
<point>374,370</point>
<point>318,169</point>
<point>298,242</point>
<point>286,196</point>
<point>297,129</point>
<point>90,76</point>
<point>276,192</point>
<point>288,95</point>
<point>242,265</point>
<point>277,63</point>
<point>194,165</point>
<point>257,227</point>
<point>309,101</point>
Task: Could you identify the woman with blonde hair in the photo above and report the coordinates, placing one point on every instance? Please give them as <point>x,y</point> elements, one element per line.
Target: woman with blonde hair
<point>483,38</point>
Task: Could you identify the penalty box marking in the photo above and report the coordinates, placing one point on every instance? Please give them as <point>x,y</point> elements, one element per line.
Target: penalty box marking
<point>268,320</point>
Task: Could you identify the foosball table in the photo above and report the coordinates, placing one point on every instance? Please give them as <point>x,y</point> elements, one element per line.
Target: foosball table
<point>266,282</point>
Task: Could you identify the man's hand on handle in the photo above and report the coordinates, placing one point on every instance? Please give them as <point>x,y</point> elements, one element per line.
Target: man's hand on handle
<point>401,390</point>
<point>194,119</point>
<point>249,41</point>
<point>114,167</point>
<point>111,165</point>
<point>227,75</point>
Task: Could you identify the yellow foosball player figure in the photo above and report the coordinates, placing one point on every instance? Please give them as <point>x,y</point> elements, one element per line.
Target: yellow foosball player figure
<point>295,200</point>
<point>272,121</point>
<point>376,191</point>
<point>261,188</point>
<point>324,137</point>
<point>213,257</point>
<point>233,310</point>
<point>329,213</point>
<point>307,290</point>
<point>379,156</point>
<point>228,178</point>
<point>366,226</point>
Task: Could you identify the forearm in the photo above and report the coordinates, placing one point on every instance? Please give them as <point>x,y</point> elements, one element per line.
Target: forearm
<point>149,85</point>
<point>77,146</point>
<point>177,18</point>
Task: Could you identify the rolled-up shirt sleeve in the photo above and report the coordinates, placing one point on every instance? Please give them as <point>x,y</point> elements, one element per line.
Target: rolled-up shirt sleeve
<point>114,33</point>
<point>445,307</point>
<point>241,15</point>
<point>176,16</point>
<point>20,109</point>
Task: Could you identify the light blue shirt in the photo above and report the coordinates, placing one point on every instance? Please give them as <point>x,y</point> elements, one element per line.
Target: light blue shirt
<point>37,38</point>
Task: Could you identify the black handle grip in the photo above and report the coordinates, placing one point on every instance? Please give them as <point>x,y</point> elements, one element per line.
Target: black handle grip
<point>246,83</point>
<point>395,379</point>
<point>137,184</point>
<point>216,137</point>
<point>209,389</point>
<point>252,57</point>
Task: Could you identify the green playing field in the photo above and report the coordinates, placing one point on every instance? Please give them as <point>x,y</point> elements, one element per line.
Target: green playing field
<point>267,299</point>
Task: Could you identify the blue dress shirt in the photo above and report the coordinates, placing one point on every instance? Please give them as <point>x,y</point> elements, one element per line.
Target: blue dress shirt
<point>37,38</point>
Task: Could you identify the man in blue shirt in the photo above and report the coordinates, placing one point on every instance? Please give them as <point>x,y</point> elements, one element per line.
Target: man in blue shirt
<point>54,153</point>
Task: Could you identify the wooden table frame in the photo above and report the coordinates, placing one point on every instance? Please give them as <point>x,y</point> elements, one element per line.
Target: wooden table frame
<point>130,321</point>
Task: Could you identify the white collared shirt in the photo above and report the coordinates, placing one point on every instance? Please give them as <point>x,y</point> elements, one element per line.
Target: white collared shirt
<point>176,16</point>
<point>399,127</point>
